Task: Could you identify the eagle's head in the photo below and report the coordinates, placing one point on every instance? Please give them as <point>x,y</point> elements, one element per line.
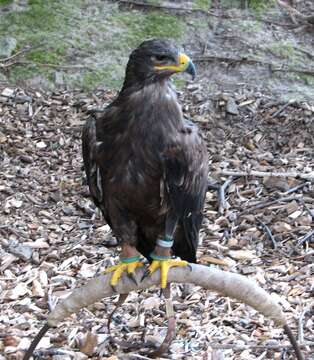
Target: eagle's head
<point>156,60</point>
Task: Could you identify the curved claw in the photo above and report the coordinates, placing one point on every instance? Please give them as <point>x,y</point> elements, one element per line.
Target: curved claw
<point>164,266</point>
<point>119,269</point>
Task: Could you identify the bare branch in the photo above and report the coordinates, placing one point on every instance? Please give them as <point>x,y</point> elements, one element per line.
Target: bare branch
<point>293,174</point>
<point>244,60</point>
<point>227,284</point>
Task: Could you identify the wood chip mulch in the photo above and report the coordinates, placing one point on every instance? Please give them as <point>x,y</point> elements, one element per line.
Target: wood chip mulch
<point>52,239</point>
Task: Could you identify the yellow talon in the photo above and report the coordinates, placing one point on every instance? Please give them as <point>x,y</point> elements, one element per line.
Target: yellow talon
<point>164,266</point>
<point>119,269</point>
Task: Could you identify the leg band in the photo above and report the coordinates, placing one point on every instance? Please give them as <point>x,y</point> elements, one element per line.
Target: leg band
<point>167,242</point>
<point>157,257</point>
<point>164,243</point>
<point>130,259</point>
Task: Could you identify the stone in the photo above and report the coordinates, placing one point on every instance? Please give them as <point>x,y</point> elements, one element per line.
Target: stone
<point>3,78</point>
<point>23,252</point>
<point>59,78</point>
<point>232,107</point>
<point>7,46</point>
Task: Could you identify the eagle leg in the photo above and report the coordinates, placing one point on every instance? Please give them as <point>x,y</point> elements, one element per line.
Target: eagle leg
<point>129,262</point>
<point>171,329</point>
<point>164,264</point>
<point>161,257</point>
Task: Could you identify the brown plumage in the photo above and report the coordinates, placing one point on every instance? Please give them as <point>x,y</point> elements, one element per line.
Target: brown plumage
<point>146,165</point>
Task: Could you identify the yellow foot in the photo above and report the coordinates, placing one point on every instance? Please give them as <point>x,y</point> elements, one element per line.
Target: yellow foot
<point>164,266</point>
<point>122,267</point>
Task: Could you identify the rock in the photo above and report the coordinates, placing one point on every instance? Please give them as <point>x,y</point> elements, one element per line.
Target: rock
<point>7,46</point>
<point>41,145</point>
<point>232,107</point>
<point>7,92</point>
<point>23,252</point>
<point>197,98</point>
<point>150,303</point>
<point>3,78</point>
<point>273,182</point>
<point>59,78</point>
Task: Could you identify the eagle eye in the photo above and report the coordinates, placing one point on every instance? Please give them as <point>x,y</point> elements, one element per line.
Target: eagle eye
<point>160,58</point>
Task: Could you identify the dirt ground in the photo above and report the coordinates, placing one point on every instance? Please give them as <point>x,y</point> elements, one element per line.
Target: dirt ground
<point>52,239</point>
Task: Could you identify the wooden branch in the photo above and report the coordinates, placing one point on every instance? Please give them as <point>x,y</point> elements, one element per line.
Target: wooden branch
<point>293,174</point>
<point>263,204</point>
<point>225,283</point>
<point>18,53</point>
<point>183,11</point>
<point>147,5</point>
<point>251,346</point>
<point>244,60</point>
<point>54,66</point>
<point>294,12</point>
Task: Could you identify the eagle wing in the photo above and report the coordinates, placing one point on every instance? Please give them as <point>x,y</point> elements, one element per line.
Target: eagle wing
<point>91,149</point>
<point>185,181</point>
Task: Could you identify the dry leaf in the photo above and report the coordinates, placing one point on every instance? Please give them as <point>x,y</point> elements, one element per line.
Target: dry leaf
<point>88,344</point>
<point>242,254</point>
<point>37,289</point>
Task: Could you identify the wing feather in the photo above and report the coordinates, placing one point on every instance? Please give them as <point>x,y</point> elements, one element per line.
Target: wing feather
<point>185,178</point>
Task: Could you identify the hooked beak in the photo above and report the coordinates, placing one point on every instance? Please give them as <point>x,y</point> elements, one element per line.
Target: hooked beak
<point>185,64</point>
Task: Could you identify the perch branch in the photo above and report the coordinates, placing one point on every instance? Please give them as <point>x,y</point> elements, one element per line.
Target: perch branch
<point>293,174</point>
<point>227,284</point>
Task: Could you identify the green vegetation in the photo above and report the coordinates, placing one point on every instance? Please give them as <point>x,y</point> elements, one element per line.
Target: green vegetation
<point>250,26</point>
<point>140,26</point>
<point>110,76</point>
<point>260,5</point>
<point>257,6</point>
<point>308,79</point>
<point>5,2</point>
<point>283,49</point>
<point>202,4</point>
<point>61,32</point>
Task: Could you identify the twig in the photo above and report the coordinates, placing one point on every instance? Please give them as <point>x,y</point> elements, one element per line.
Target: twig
<point>296,188</point>
<point>244,60</point>
<point>294,12</point>
<point>51,352</point>
<point>293,174</point>
<point>18,53</point>
<point>146,5</point>
<point>306,238</point>
<point>279,111</point>
<point>54,66</point>
<point>212,185</point>
<point>300,324</point>
<point>252,346</point>
<point>221,194</point>
<point>301,257</point>
<point>264,204</point>
<point>269,233</point>
<point>309,211</point>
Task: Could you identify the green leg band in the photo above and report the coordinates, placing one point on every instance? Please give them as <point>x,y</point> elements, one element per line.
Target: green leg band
<point>157,257</point>
<point>130,259</point>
